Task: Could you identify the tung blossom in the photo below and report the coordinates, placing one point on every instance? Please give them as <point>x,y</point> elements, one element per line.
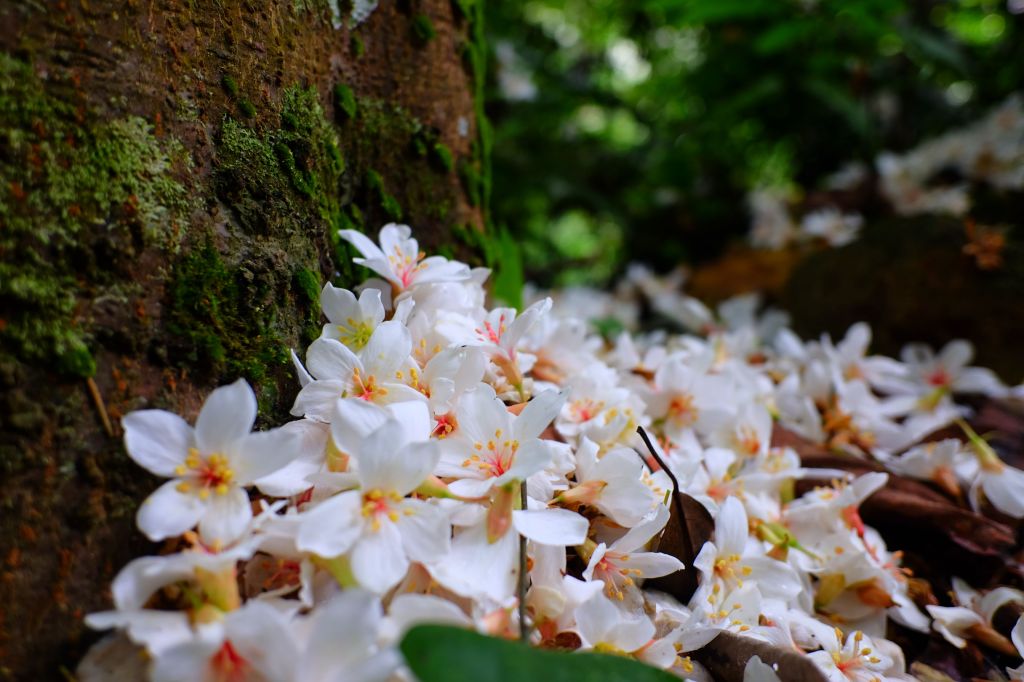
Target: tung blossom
<point>209,465</point>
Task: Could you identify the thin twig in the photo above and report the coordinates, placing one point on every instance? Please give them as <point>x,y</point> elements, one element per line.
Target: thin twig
<point>101,407</point>
<point>524,631</point>
<point>654,454</point>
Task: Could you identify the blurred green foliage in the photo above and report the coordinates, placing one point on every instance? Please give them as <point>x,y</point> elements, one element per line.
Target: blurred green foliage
<point>633,130</point>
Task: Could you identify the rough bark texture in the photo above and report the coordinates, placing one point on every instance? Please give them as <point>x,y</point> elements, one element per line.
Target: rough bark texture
<point>173,178</point>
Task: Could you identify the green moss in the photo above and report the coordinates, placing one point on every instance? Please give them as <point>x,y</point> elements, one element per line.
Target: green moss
<point>307,283</point>
<point>442,156</point>
<point>357,45</point>
<point>475,57</point>
<point>246,108</point>
<point>464,8</point>
<point>472,182</point>
<point>69,187</point>
<point>387,202</point>
<point>344,102</point>
<point>222,322</point>
<point>423,29</point>
<point>230,85</point>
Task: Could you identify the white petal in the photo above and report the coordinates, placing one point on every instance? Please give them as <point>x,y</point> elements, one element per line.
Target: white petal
<point>758,671</point>
<point>330,359</point>
<point>481,413</point>
<point>731,529</point>
<point>389,346</point>
<point>538,413</point>
<point>226,517</point>
<point>338,304</point>
<point>559,527</point>
<point>383,466</point>
<point>158,441</point>
<point>168,513</point>
<point>227,415</point>
<point>353,420</point>
<point>532,456</point>
<point>137,581</point>
<point>316,400</point>
<point>362,243</point>
<point>188,661</point>
<point>261,636</point>
<point>330,528</point>
<point>343,631</point>
<point>264,452</point>
<point>640,535</point>
<point>291,479</point>
<point>653,564</point>
<point>378,559</point>
<point>426,533</point>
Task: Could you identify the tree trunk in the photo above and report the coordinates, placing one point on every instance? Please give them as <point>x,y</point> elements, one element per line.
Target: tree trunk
<point>174,175</point>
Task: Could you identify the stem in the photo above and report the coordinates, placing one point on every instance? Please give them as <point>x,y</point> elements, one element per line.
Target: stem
<point>524,630</point>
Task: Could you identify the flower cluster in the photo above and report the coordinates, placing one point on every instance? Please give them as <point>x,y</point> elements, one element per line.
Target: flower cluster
<point>482,467</point>
<point>990,151</point>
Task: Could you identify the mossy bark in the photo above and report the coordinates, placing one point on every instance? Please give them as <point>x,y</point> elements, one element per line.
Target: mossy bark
<point>174,175</point>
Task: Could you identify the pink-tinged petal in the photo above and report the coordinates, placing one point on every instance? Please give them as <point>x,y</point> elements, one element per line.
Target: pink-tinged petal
<point>260,634</point>
<point>331,359</point>
<point>168,512</point>
<point>538,414</point>
<point>264,452</point>
<point>378,560</point>
<point>399,469</point>
<point>559,527</point>
<point>532,456</point>
<point>156,440</point>
<point>653,564</point>
<point>362,243</point>
<point>388,348</point>
<point>330,528</point>
<point>317,399</point>
<point>426,533</point>
<point>227,416</point>
<point>226,517</point>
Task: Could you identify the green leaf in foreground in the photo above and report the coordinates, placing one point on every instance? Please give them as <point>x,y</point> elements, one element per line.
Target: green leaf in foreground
<point>438,653</point>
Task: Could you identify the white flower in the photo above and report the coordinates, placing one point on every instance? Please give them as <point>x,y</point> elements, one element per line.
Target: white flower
<point>604,627</point>
<point>209,465</point>
<point>399,260</point>
<point>251,644</point>
<point>352,321</point>
<point>858,660</point>
<point>376,375</point>
<point>491,446</point>
<point>621,565</point>
<point>613,484</point>
<point>377,526</point>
